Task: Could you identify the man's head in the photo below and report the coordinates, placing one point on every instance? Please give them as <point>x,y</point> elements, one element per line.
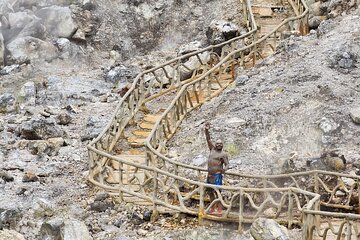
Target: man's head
<point>219,145</point>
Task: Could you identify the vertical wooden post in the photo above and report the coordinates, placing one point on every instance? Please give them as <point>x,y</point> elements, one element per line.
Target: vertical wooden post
<point>290,209</point>
<point>349,230</point>
<point>241,208</point>
<point>121,194</point>
<point>316,179</point>
<point>155,214</point>
<point>201,206</point>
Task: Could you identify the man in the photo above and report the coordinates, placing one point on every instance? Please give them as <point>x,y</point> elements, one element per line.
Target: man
<point>218,163</point>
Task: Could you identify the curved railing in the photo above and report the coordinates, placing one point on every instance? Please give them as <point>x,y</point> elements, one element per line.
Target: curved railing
<point>290,198</point>
<point>156,82</point>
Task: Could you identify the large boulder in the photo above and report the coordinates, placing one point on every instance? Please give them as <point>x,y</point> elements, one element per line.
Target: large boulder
<point>58,229</point>
<point>58,21</point>
<point>355,115</point>
<point>68,49</point>
<point>34,29</point>
<point>9,217</point>
<point>51,229</point>
<point>188,48</point>
<point>121,75</point>
<point>75,230</point>
<point>41,129</point>
<point>19,19</point>
<point>266,229</point>
<point>11,234</point>
<point>24,49</point>
<point>220,31</point>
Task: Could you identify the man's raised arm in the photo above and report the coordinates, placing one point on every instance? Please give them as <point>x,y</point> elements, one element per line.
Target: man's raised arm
<point>207,134</point>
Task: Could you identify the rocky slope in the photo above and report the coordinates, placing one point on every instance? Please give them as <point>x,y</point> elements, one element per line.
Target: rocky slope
<point>61,59</point>
<point>302,101</point>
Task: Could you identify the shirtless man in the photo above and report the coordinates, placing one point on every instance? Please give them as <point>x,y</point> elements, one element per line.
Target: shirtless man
<point>218,163</point>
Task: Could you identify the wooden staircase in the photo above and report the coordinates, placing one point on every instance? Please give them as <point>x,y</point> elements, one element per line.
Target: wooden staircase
<point>268,15</point>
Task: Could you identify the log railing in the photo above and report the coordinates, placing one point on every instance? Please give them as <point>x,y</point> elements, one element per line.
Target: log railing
<point>292,198</point>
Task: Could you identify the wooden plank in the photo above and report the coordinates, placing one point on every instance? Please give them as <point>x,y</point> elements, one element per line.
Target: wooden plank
<point>147,125</point>
<point>141,133</point>
<point>151,118</point>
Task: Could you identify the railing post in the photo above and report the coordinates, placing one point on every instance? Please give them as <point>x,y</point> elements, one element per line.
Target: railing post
<point>121,194</point>
<point>201,206</point>
<point>241,208</point>
<point>316,180</point>
<point>349,234</point>
<point>155,213</point>
<point>245,12</point>
<point>307,231</point>
<point>290,209</point>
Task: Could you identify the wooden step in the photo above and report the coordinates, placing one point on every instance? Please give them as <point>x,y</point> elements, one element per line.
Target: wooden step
<point>147,125</point>
<point>141,133</point>
<point>140,159</point>
<point>134,184</point>
<point>128,171</point>
<point>136,141</point>
<point>262,11</point>
<point>151,118</point>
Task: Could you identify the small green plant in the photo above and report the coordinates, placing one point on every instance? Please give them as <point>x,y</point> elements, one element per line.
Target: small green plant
<point>231,149</point>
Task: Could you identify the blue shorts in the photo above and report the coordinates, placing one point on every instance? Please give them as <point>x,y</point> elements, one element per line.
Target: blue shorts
<point>215,179</point>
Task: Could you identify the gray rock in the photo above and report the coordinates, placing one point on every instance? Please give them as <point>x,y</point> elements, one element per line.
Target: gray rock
<point>8,69</point>
<point>355,115</point>
<point>38,128</point>
<point>7,103</point>
<point>101,206</point>
<point>241,80</point>
<point>6,176</point>
<point>75,230</point>
<point>19,19</point>
<point>88,5</point>
<point>30,177</point>
<point>19,159</point>
<point>2,126</point>
<point>265,229</point>
<point>188,48</point>
<point>63,118</point>
<point>101,196</point>
<point>7,234</point>
<point>35,29</point>
<point>28,93</point>
<point>79,35</point>
<point>9,217</point>
<point>314,22</point>
<point>121,75</point>
<point>43,208</point>
<point>328,125</point>
<point>235,121</point>
<point>58,21</point>
<point>220,31</point>
<point>147,215</point>
<point>51,229</point>
<point>24,49</point>
<point>334,3</point>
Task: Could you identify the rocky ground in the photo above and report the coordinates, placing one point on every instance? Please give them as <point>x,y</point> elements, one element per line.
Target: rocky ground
<point>302,101</point>
<point>61,62</point>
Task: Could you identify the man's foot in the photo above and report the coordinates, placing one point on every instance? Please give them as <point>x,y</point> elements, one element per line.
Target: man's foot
<point>215,212</point>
